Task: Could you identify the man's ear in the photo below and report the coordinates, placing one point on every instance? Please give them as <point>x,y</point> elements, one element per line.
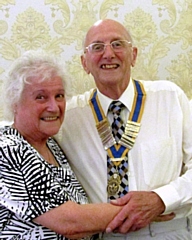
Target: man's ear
<point>134,56</point>
<point>84,64</point>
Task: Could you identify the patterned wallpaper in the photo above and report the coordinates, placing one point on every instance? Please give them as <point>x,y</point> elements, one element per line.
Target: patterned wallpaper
<point>161,29</point>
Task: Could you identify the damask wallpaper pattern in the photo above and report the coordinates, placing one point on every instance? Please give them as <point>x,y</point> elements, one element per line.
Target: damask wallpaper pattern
<point>161,29</point>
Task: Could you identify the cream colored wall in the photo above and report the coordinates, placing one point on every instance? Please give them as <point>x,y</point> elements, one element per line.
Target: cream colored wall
<point>161,29</point>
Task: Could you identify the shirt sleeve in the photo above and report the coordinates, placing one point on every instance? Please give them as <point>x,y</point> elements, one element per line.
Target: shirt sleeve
<point>178,193</point>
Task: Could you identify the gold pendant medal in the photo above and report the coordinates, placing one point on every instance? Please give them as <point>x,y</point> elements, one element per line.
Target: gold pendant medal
<point>113,184</point>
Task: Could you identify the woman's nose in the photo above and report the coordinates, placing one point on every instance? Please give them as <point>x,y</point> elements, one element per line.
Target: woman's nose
<point>52,105</point>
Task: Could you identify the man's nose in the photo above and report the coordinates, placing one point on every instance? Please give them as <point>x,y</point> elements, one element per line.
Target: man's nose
<point>108,51</point>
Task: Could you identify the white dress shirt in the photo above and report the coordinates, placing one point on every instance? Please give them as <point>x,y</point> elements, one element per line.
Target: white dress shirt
<point>105,102</point>
<point>160,160</point>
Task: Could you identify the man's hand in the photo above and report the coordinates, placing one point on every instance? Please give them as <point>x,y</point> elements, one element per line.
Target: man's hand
<point>140,209</point>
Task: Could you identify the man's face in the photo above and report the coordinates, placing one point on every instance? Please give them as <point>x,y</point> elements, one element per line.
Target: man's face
<point>110,67</point>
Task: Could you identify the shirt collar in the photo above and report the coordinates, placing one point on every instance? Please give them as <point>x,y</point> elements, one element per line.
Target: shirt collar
<point>126,98</point>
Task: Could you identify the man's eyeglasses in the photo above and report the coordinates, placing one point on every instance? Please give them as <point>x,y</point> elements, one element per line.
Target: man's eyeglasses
<point>117,46</point>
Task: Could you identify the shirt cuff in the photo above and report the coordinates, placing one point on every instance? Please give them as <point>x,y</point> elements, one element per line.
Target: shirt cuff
<point>169,196</point>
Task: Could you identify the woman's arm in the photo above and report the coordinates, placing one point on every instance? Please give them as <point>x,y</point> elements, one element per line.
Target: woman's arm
<point>72,219</point>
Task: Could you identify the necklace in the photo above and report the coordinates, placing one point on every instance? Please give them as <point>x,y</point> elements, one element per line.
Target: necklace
<point>117,160</point>
<point>51,159</point>
<point>118,151</point>
<point>46,154</point>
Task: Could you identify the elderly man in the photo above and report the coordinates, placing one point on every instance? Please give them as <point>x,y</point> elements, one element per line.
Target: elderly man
<point>130,141</point>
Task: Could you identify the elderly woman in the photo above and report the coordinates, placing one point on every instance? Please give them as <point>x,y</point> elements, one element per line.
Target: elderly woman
<point>40,197</point>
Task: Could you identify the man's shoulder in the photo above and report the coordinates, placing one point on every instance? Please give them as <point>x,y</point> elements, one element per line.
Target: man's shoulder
<point>190,103</point>
<point>79,101</point>
<point>161,85</point>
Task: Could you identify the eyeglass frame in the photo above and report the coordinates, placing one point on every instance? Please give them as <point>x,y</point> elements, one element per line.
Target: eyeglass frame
<point>104,46</point>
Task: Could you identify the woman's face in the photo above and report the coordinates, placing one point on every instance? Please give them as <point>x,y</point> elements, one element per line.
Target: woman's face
<point>40,111</point>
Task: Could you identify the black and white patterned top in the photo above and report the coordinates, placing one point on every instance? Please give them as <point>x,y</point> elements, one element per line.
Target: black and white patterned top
<point>29,187</point>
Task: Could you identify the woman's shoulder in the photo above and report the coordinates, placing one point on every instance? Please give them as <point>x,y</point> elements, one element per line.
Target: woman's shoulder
<point>10,137</point>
